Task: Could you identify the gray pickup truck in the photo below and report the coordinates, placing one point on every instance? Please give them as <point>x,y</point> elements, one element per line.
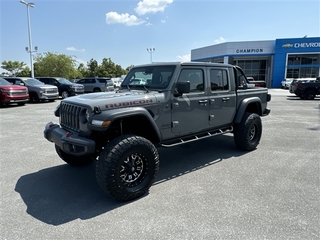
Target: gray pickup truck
<point>157,105</point>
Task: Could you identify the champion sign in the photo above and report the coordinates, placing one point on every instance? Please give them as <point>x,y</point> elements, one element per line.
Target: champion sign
<point>250,50</point>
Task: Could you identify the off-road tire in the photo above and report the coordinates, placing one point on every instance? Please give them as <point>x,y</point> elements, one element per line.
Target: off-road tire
<point>309,95</point>
<point>73,160</point>
<point>127,167</point>
<point>65,94</point>
<point>247,133</point>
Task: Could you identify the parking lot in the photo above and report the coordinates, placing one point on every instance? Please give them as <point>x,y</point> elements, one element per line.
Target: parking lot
<point>204,190</point>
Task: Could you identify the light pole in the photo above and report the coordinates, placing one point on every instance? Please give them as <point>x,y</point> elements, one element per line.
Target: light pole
<point>151,50</point>
<point>29,50</point>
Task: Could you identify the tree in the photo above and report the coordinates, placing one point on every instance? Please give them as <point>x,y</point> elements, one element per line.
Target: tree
<point>55,65</point>
<point>14,68</point>
<point>93,68</point>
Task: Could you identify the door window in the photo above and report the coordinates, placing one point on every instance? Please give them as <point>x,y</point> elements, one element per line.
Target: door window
<point>218,80</point>
<point>195,77</point>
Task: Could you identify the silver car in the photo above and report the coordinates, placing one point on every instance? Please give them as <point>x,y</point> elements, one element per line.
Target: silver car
<point>96,84</point>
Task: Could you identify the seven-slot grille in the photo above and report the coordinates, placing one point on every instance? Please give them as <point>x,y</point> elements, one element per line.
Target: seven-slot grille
<point>70,116</point>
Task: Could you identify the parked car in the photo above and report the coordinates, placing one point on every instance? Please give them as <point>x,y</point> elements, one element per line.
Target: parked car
<point>256,82</point>
<point>286,83</point>
<point>117,82</point>
<point>38,91</point>
<point>11,94</point>
<point>65,87</point>
<point>307,89</point>
<point>96,84</point>
<point>294,84</point>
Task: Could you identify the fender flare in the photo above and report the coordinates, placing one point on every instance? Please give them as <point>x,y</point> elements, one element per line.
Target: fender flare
<point>115,114</point>
<point>243,106</point>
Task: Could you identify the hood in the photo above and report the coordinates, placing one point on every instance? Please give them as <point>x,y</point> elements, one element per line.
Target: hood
<point>44,86</point>
<point>112,100</point>
<point>12,87</point>
<point>76,85</point>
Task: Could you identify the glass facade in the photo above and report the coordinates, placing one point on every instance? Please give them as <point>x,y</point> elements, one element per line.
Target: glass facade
<point>253,68</point>
<point>302,66</point>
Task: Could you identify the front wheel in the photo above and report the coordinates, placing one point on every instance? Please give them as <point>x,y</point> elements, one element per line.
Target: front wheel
<point>127,167</point>
<point>65,94</point>
<point>73,160</point>
<point>247,133</point>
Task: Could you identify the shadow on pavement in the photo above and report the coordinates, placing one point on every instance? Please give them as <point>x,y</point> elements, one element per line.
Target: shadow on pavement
<point>64,193</point>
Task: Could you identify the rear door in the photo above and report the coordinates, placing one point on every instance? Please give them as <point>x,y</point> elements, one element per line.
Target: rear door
<point>222,98</point>
<point>88,84</point>
<point>190,111</point>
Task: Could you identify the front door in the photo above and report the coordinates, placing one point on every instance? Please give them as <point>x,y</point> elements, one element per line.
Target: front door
<point>190,111</point>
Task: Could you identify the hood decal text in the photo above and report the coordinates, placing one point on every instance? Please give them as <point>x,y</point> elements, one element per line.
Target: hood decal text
<point>129,103</point>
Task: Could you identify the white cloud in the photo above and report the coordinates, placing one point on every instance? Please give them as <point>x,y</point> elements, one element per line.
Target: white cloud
<point>184,58</point>
<point>124,18</point>
<point>81,61</point>
<point>151,6</point>
<point>75,50</point>
<point>219,40</point>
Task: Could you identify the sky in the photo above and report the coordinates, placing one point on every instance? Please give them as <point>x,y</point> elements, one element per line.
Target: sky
<point>123,30</point>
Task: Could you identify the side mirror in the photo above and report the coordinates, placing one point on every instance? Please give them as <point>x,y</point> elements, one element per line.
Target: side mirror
<point>182,87</point>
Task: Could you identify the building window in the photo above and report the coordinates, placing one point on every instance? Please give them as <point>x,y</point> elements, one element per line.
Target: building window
<point>253,68</point>
<point>302,66</point>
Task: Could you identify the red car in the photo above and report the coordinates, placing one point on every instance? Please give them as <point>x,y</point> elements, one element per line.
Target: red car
<point>10,94</point>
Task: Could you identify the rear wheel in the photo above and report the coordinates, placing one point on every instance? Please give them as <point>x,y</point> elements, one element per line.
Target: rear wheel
<point>247,133</point>
<point>96,90</point>
<point>127,167</point>
<point>73,160</point>
<point>309,95</point>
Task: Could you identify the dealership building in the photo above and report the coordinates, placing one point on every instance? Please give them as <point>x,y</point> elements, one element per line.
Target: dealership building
<point>271,61</point>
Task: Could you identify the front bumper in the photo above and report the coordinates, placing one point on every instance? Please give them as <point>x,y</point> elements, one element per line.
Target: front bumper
<point>69,142</point>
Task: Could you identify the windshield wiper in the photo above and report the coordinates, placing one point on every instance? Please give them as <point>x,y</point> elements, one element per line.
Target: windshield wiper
<point>146,89</point>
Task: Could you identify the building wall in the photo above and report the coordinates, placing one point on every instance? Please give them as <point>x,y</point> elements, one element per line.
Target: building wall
<point>275,51</point>
<point>298,46</point>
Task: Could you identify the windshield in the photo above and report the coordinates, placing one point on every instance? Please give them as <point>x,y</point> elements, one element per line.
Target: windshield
<point>33,82</point>
<point>65,81</point>
<point>154,77</point>
<point>4,82</point>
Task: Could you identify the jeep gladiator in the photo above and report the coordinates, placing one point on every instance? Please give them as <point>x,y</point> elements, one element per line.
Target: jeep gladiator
<point>157,105</point>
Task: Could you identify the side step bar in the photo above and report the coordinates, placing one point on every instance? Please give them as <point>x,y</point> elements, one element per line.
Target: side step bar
<point>192,138</point>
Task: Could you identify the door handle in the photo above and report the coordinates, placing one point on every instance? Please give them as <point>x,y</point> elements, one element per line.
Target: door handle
<point>203,101</point>
<point>225,99</point>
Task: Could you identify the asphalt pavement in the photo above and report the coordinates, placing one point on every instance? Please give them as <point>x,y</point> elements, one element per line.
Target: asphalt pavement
<point>204,190</point>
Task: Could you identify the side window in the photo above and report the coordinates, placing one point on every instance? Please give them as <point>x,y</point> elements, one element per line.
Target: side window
<point>219,80</point>
<point>241,80</point>
<point>18,82</point>
<point>195,77</point>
